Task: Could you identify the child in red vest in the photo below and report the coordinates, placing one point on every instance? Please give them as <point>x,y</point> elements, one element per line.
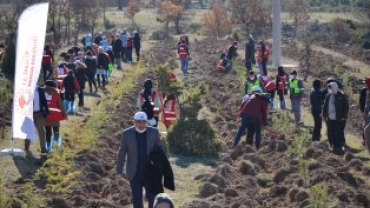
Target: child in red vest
<point>169,111</point>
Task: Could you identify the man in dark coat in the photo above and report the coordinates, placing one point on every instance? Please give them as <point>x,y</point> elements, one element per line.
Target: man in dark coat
<point>317,100</point>
<point>137,143</point>
<point>137,44</point>
<point>335,112</point>
<point>117,51</point>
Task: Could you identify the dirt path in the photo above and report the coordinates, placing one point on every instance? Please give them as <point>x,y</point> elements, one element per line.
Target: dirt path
<point>362,67</point>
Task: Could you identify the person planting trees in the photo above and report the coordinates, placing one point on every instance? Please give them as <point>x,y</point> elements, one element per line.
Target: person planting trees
<point>252,81</point>
<point>137,143</point>
<point>296,94</point>
<point>149,102</point>
<point>317,100</point>
<point>254,116</point>
<point>282,80</point>
<point>335,113</point>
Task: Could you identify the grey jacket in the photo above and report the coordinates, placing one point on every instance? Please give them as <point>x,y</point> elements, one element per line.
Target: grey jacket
<point>129,147</point>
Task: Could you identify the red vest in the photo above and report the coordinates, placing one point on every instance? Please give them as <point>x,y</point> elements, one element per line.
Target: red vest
<point>182,51</point>
<point>283,82</point>
<point>152,99</point>
<point>46,59</point>
<point>170,113</point>
<point>55,114</point>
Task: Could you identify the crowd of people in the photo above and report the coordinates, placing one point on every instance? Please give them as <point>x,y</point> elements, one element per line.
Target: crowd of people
<point>141,149</point>
<point>91,65</point>
<point>327,98</point>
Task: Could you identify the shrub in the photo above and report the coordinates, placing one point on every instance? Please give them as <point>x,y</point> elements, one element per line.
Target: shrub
<point>8,61</point>
<point>193,137</point>
<point>165,85</point>
<point>319,197</point>
<point>192,99</point>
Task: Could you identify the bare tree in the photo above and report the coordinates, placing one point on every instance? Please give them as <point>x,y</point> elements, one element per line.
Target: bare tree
<point>299,12</point>
<point>169,12</point>
<point>132,9</point>
<point>254,14</point>
<point>216,21</point>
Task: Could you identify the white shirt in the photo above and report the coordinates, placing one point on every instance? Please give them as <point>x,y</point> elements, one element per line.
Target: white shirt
<point>36,101</point>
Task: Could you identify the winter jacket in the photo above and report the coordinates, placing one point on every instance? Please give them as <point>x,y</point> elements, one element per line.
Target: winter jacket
<point>117,47</point>
<point>44,109</point>
<point>136,41</point>
<point>103,61</point>
<point>158,168</point>
<point>256,107</point>
<point>70,84</point>
<point>91,66</point>
<point>81,77</point>
<point>317,100</point>
<point>231,52</point>
<point>341,106</point>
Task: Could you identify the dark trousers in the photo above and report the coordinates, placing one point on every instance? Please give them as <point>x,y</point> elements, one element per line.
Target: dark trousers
<point>48,130</point>
<point>137,185</point>
<point>316,135</point>
<point>137,51</point>
<point>281,99</point>
<point>47,71</point>
<point>264,67</point>
<point>123,54</point>
<point>91,80</point>
<point>103,79</point>
<point>336,133</point>
<point>253,128</point>
<point>248,65</point>
<point>81,98</point>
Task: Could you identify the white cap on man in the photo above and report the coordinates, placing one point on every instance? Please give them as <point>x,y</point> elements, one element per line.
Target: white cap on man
<point>140,116</point>
<point>256,89</point>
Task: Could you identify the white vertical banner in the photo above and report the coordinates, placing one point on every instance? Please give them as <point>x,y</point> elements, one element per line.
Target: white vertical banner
<point>30,45</point>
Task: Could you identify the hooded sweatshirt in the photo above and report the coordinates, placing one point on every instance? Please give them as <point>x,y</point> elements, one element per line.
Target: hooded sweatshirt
<point>336,105</point>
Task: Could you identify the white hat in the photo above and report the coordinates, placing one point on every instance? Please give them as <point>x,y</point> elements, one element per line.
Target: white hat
<point>140,116</point>
<point>256,89</point>
<point>77,61</point>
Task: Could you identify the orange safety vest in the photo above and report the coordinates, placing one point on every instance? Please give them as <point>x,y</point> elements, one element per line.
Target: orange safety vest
<point>152,99</point>
<point>55,113</point>
<point>170,113</point>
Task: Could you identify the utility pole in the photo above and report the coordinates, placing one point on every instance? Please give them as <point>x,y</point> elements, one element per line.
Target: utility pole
<point>276,33</point>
